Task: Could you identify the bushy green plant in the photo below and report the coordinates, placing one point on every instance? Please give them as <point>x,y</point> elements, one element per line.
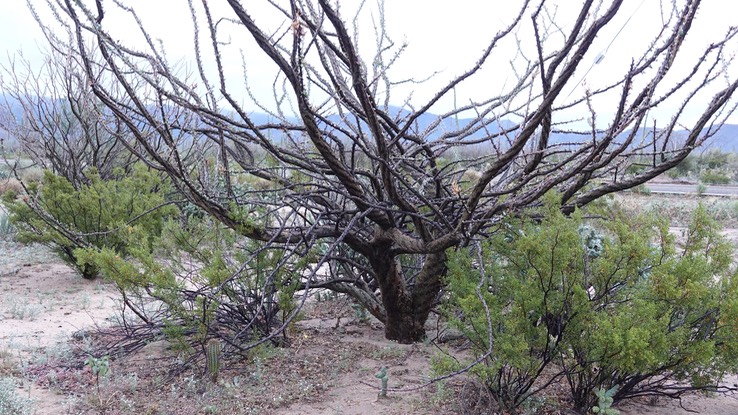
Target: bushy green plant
<point>701,189</point>
<point>537,298</point>
<point>685,167</point>
<point>208,282</point>
<point>714,177</point>
<point>95,215</point>
<point>713,159</point>
<point>642,189</point>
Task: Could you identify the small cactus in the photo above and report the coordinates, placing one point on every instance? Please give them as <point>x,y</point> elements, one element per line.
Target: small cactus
<point>382,375</point>
<point>605,401</point>
<point>212,354</point>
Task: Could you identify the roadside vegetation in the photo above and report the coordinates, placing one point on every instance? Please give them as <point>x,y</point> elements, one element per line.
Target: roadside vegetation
<point>712,166</point>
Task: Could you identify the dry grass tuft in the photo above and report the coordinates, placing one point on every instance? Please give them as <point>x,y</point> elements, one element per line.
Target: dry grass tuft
<point>8,184</point>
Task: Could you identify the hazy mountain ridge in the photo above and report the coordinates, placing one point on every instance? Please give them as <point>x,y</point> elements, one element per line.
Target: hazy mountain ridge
<point>726,139</point>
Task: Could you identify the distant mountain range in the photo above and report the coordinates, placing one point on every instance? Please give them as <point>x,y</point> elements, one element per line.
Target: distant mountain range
<point>725,140</point>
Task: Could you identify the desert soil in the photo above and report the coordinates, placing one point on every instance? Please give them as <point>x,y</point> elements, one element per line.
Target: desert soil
<point>329,369</point>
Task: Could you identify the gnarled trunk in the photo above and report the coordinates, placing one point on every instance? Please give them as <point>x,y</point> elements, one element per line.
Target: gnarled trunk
<point>407,308</point>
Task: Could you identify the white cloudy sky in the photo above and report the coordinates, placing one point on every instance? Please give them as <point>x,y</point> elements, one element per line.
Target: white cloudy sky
<point>442,36</point>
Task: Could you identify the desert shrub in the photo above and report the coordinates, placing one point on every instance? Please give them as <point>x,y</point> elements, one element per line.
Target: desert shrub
<point>642,189</point>
<point>673,174</point>
<point>636,168</point>
<point>701,189</point>
<point>10,184</point>
<point>11,403</point>
<point>204,281</point>
<point>97,214</point>
<point>685,167</point>
<point>714,177</point>
<point>604,304</point>
<point>713,159</point>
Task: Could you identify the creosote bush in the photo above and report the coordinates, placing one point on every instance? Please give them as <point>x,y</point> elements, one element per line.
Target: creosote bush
<point>201,282</point>
<point>94,215</point>
<point>181,275</point>
<point>639,314</point>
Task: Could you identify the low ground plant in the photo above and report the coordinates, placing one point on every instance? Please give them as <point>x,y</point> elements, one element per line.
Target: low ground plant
<point>11,402</point>
<point>7,229</point>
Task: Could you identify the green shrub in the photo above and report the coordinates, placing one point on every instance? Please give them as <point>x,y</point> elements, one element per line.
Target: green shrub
<point>95,215</point>
<point>685,167</point>
<point>636,168</point>
<point>714,177</point>
<point>713,159</point>
<point>229,288</point>
<point>701,189</point>
<point>673,174</point>
<point>642,189</point>
<point>537,298</point>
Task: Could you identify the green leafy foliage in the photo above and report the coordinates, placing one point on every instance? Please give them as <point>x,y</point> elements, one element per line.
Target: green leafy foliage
<point>100,367</point>
<point>7,229</point>
<point>600,304</point>
<point>714,159</point>
<point>701,189</point>
<point>98,215</point>
<point>204,281</point>
<point>686,166</point>
<point>711,167</point>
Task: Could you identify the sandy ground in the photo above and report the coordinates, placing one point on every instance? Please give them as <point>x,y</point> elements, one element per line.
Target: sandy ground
<point>727,405</point>
<point>43,303</point>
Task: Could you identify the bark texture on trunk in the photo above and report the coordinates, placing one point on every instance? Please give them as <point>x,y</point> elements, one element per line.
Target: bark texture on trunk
<point>404,328</point>
<point>407,307</point>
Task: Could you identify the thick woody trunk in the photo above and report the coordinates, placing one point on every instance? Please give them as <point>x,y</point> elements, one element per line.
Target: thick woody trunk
<point>404,324</point>
<point>407,308</point>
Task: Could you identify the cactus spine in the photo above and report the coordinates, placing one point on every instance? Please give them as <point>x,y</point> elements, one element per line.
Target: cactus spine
<point>212,354</point>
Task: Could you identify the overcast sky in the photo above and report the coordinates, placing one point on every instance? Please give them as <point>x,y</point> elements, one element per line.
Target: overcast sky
<point>442,36</point>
